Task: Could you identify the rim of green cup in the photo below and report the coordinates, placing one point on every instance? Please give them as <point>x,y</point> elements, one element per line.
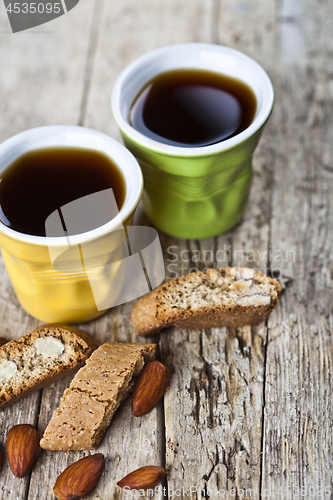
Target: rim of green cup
<point>216,58</point>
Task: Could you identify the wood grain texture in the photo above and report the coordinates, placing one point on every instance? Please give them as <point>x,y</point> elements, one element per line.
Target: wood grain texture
<point>248,411</point>
<point>36,87</point>
<point>297,435</point>
<point>214,423</point>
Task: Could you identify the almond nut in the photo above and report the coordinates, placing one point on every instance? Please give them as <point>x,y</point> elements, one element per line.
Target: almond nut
<point>241,284</point>
<point>22,448</point>
<point>3,341</point>
<point>149,388</point>
<point>7,370</point>
<point>145,477</point>
<point>49,347</point>
<point>79,478</point>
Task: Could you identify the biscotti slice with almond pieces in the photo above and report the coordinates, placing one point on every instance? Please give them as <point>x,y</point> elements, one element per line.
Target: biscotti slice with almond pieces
<point>231,296</point>
<point>38,359</point>
<point>97,390</point>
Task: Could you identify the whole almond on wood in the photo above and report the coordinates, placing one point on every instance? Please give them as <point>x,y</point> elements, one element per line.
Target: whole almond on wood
<point>79,478</point>
<point>22,448</point>
<point>145,477</point>
<point>149,388</point>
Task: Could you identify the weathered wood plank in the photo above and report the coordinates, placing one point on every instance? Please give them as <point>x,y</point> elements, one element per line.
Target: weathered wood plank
<point>39,85</point>
<point>298,392</point>
<point>129,30</point>
<point>213,409</point>
<point>42,75</point>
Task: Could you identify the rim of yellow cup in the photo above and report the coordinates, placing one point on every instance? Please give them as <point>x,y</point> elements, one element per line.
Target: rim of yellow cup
<point>83,138</point>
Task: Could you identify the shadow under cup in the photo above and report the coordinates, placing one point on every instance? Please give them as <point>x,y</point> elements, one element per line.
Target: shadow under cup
<point>198,192</point>
<point>70,279</point>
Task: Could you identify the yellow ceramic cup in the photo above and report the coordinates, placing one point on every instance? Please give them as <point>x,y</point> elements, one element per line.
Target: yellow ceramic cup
<point>49,275</point>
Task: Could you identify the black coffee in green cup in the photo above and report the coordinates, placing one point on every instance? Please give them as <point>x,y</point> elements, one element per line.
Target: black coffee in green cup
<point>196,190</point>
<point>193,108</point>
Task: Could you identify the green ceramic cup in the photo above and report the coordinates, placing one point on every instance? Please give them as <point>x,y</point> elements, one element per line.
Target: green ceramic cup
<point>198,192</point>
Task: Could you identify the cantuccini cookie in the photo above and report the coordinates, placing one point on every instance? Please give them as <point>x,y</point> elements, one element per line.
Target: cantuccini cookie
<point>97,390</point>
<point>231,296</point>
<point>38,359</point>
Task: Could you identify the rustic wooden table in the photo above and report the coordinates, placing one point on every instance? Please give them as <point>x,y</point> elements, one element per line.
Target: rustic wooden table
<point>248,410</point>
